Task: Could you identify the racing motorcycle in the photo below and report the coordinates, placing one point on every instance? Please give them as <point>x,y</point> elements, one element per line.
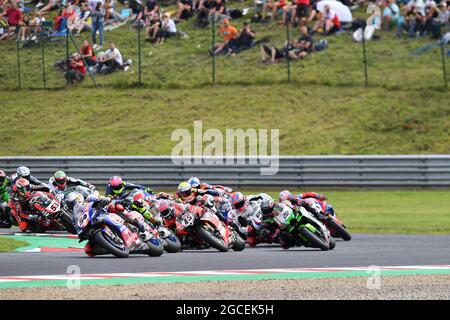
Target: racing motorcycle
<point>114,234</point>
<point>302,228</point>
<point>202,223</point>
<point>52,214</point>
<point>334,225</point>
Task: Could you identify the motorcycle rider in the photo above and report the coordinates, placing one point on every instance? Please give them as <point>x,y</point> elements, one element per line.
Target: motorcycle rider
<point>138,202</point>
<point>24,172</point>
<point>60,181</point>
<point>286,195</point>
<point>116,187</point>
<point>195,183</point>
<point>187,194</point>
<point>5,210</point>
<point>19,204</point>
<point>75,202</point>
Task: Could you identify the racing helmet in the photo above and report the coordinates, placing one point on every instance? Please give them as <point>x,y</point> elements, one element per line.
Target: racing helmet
<point>166,210</point>
<point>73,198</point>
<point>285,195</point>
<point>184,189</point>
<point>194,182</point>
<point>60,178</point>
<point>238,200</point>
<point>22,187</point>
<point>267,206</point>
<point>117,184</point>
<point>139,204</point>
<point>23,172</point>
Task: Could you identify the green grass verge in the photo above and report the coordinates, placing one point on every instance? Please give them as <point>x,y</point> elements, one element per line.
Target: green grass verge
<point>404,212</point>
<point>9,245</point>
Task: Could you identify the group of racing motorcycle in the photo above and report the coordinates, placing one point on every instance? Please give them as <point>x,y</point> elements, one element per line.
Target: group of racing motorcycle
<point>132,219</point>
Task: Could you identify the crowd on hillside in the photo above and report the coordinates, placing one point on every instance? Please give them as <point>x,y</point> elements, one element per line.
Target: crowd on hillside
<point>159,22</point>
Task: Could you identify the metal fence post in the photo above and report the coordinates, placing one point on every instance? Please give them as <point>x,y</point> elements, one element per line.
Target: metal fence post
<point>139,52</point>
<point>67,51</point>
<point>444,71</point>
<point>213,56</point>
<point>18,62</point>
<point>288,59</point>
<point>43,63</point>
<point>366,78</point>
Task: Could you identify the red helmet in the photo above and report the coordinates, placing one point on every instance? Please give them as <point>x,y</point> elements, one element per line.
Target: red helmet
<point>22,187</point>
<point>238,200</point>
<point>139,200</point>
<point>165,209</point>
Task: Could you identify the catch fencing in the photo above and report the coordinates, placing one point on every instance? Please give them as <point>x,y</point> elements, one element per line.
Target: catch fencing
<point>412,171</point>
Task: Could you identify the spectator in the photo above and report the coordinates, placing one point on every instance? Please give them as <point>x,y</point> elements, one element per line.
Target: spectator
<point>88,54</point>
<point>14,17</point>
<point>168,28</point>
<point>151,7</point>
<point>444,13</point>
<point>25,28</point>
<point>244,41</point>
<point>413,21</point>
<point>110,6</point>
<point>71,17</point>
<point>329,22</point>
<point>111,61</point>
<point>76,71</point>
<point>81,23</point>
<point>185,9</point>
<point>98,20</point>
<point>277,7</point>
<point>203,12</point>
<point>153,24</point>
<point>228,32</point>
<point>432,24</point>
<point>51,6</point>
<point>297,49</point>
<point>301,11</point>
<point>391,14</point>
<point>38,21</point>
<point>126,14</point>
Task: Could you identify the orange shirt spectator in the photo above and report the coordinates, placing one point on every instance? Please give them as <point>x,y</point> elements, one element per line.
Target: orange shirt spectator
<point>228,31</point>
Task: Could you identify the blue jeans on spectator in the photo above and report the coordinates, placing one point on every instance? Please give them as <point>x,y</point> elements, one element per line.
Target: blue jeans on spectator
<point>97,25</point>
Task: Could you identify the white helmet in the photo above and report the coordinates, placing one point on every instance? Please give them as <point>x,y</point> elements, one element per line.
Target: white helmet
<point>73,198</point>
<point>23,171</point>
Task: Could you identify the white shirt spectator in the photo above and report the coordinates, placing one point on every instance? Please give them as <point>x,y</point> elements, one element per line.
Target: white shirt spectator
<point>170,26</point>
<point>115,54</point>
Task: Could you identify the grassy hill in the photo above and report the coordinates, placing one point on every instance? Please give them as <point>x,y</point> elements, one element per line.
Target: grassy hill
<point>324,110</point>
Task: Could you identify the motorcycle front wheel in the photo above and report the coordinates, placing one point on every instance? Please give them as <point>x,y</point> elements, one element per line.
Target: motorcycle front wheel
<point>103,240</point>
<point>155,247</point>
<point>172,244</point>
<point>314,240</point>
<point>239,243</point>
<point>339,230</point>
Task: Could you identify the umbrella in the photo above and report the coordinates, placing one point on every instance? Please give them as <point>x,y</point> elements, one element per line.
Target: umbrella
<point>343,12</point>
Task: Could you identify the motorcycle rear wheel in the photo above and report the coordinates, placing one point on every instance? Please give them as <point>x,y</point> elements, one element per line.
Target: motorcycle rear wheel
<point>106,244</point>
<point>339,230</point>
<point>67,222</point>
<point>206,235</point>
<point>314,240</point>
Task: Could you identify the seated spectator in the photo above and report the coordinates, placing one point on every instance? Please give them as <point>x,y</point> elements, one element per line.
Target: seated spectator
<point>391,14</point>
<point>88,54</point>
<point>329,21</point>
<point>243,41</point>
<point>71,17</point>
<point>204,9</point>
<point>185,9</point>
<point>277,7</point>
<point>168,28</point>
<point>76,71</point>
<point>432,24</point>
<point>111,61</point>
<point>261,9</point>
<point>151,8</point>
<point>38,21</point>
<point>81,23</point>
<point>152,24</point>
<point>301,11</point>
<point>228,32</point>
<point>413,20</point>
<point>51,6</point>
<point>125,15</point>
<point>219,10</point>
<point>110,6</point>
<point>13,17</point>
<point>444,13</point>
<point>25,28</point>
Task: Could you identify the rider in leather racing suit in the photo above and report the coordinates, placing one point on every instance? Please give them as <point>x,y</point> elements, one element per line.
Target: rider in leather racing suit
<point>195,183</point>
<point>187,194</point>
<point>5,210</point>
<point>24,172</point>
<point>76,202</point>
<point>60,181</point>
<point>116,187</point>
<point>307,197</point>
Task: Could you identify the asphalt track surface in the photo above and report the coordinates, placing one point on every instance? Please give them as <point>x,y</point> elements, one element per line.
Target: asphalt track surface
<point>363,250</point>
